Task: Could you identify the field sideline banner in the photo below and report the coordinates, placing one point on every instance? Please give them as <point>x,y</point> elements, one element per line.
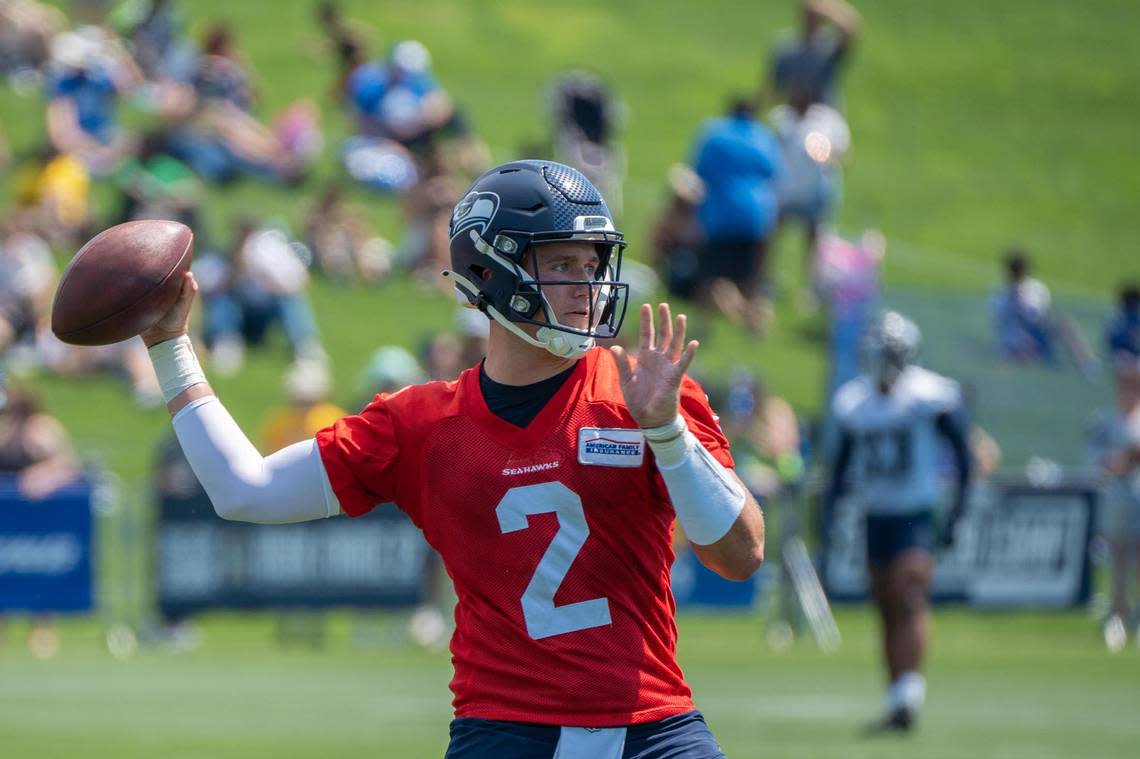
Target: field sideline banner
<point>46,550</point>
<point>204,562</point>
<point>1017,546</point>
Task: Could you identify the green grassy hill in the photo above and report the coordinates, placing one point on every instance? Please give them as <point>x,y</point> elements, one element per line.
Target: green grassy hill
<point>974,126</point>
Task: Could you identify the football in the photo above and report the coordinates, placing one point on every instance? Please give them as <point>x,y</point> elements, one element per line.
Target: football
<point>121,282</point>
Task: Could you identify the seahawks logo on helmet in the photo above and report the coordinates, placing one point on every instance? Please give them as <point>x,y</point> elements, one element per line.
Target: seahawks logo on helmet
<point>475,210</point>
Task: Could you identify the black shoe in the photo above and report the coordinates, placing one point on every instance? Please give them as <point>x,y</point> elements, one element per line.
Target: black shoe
<point>899,720</point>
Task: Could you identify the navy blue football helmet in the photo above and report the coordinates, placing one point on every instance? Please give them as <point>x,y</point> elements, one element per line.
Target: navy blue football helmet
<point>499,227</point>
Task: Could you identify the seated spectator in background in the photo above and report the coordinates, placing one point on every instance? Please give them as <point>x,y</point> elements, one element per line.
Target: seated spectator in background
<point>156,31</point>
<point>1027,325</point>
<point>34,447</point>
<point>219,136</point>
<point>1021,313</point>
<point>26,30</point>
<point>399,99</point>
<point>447,353</point>
<point>739,161</point>
<point>53,195</point>
<point>585,117</point>
<point>677,237</point>
<point>262,283</point>
<point>1123,333</point>
<point>1114,448</point>
<point>809,62</point>
<point>27,283</point>
<point>389,369</point>
<point>401,116</point>
<point>36,451</point>
<point>156,185</point>
<point>127,360</point>
<point>427,208</point>
<point>343,245</point>
<point>765,437</point>
<point>307,386</point>
<point>814,138</point>
<point>89,72</point>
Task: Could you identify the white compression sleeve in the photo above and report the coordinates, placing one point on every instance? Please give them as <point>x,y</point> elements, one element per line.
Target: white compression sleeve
<point>290,485</point>
<point>706,497</point>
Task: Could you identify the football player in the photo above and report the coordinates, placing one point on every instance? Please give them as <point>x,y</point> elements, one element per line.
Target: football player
<point>548,478</point>
<point>890,421</point>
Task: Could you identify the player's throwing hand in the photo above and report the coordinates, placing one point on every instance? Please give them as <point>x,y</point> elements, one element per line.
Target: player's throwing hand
<point>176,321</point>
<point>652,387</point>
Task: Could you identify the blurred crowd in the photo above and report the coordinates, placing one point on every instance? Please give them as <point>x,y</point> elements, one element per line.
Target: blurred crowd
<point>139,108</point>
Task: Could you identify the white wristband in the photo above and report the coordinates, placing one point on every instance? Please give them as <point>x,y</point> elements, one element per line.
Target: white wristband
<point>669,442</point>
<point>176,366</point>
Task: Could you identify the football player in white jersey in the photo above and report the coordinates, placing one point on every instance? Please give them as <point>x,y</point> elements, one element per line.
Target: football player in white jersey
<point>1115,448</point>
<point>891,421</point>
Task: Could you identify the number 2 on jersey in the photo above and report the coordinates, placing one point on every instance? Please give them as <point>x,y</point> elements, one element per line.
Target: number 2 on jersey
<point>543,618</point>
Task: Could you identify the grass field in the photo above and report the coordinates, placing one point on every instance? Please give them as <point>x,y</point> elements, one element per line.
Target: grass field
<point>974,124</point>
<point>1023,686</point>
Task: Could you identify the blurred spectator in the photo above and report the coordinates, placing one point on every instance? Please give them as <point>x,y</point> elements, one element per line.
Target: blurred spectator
<point>1020,311</point>
<point>26,31</point>
<point>89,72</point>
<point>846,279</point>
<point>401,112</point>
<point>677,237</point>
<point>127,360</point>
<point>807,63</point>
<point>343,245</point>
<point>27,283</point>
<point>1114,446</point>
<point>585,118</point>
<point>307,386</point>
<point>1123,333</point>
<point>739,161</point>
<point>34,447</point>
<point>814,139</point>
<point>220,137</point>
<point>1027,325</point>
<point>262,283</point>
<point>156,185</point>
<point>156,31</point>
<point>425,249</point>
<point>447,353</point>
<point>36,451</point>
<point>389,369</point>
<point>399,99</point>
<point>348,41</point>
<point>53,194</point>
<point>765,437</point>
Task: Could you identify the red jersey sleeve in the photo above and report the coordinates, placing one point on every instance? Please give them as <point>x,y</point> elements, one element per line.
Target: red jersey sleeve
<point>360,455</point>
<point>703,422</point>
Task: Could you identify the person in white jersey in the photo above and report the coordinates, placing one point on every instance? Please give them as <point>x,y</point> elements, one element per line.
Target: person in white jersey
<point>892,420</point>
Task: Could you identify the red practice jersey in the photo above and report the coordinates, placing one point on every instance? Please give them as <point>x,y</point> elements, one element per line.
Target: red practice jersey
<point>558,537</point>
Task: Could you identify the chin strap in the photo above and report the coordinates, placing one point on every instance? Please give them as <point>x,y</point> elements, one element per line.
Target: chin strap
<point>557,342</point>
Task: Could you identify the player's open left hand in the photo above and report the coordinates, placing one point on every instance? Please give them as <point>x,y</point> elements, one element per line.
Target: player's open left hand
<point>176,321</point>
<point>652,387</point>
